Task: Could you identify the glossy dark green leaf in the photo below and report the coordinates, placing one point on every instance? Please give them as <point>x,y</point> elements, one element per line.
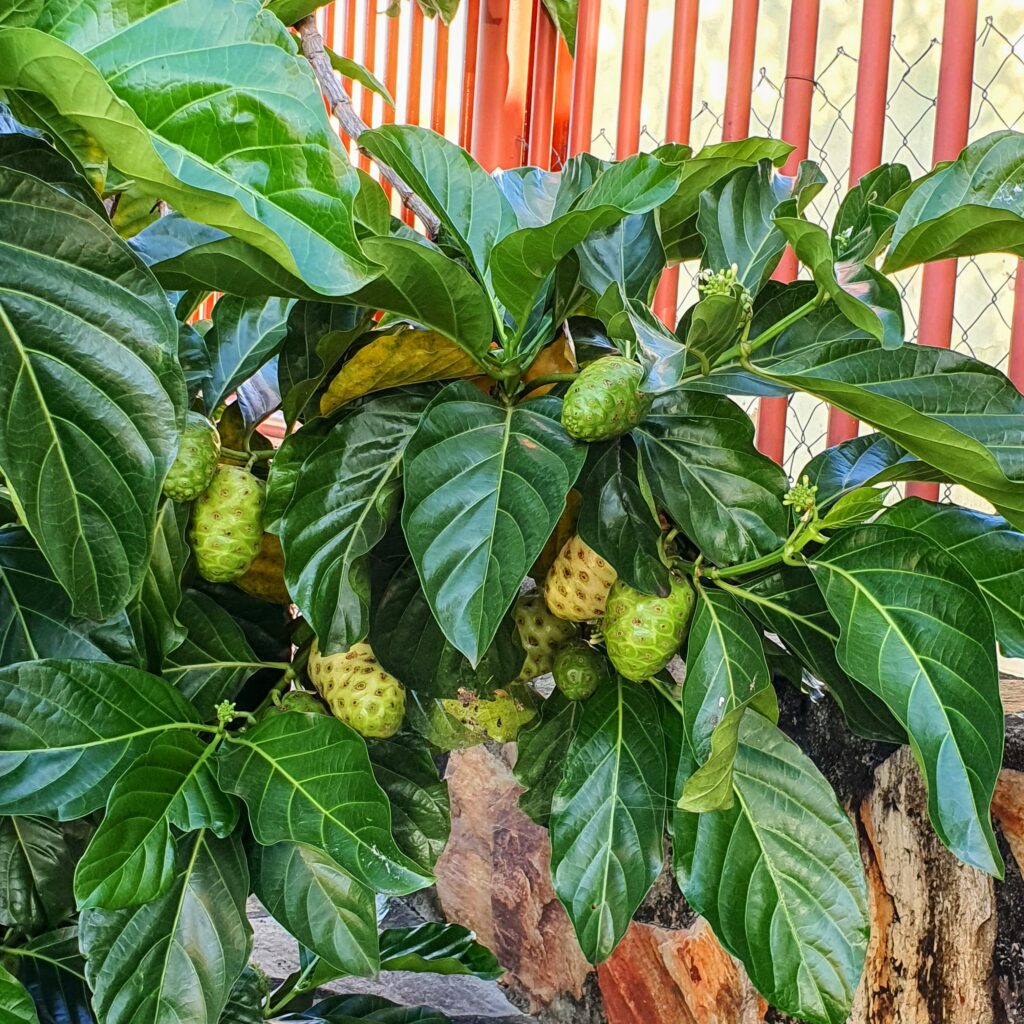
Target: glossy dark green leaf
<point>540,754</point>
<point>726,673</point>
<point>410,644</point>
<point>437,948</point>
<point>522,262</point>
<point>915,630</point>
<point>628,254</point>
<point>215,658</point>
<point>177,958</point>
<point>37,861</point>
<point>484,487</point>
<point>677,218</point>
<point>458,190</point>
<point>91,389</point>
<point>323,907</point>
<point>960,416</point>
<point>779,878</point>
<point>284,470</point>
<point>607,815</point>
<point>420,812</point>
<point>789,604</point>
<point>131,857</point>
<point>345,495</point>
<point>245,333</point>
<point>698,453</point>
<point>864,222</point>
<point>618,524</point>
<point>258,158</point>
<point>154,611</point>
<point>530,191</point>
<point>866,298</point>
<point>974,205</point>
<point>72,727</point>
<point>245,1001</point>
<point>987,547</point>
<point>350,1009</point>
<point>15,1003</point>
<point>53,970</point>
<point>714,327</point>
<point>36,620</point>
<point>307,779</point>
<point>659,350</point>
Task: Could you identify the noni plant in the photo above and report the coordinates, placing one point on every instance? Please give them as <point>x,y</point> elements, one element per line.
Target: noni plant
<point>228,668</point>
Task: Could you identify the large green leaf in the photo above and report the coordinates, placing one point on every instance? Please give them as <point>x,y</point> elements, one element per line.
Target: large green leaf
<point>987,547</point>
<point>864,221</point>
<point>243,336</point>
<point>53,970</point>
<point>437,948</point>
<point>915,630</point>
<point>459,191</point>
<point>307,779</point>
<point>72,727</point>
<point>257,157</point>
<point>484,487</point>
<point>540,754</point>
<point>215,658</point>
<point>37,861</point>
<point>284,470</point>
<point>346,493</point>
<point>865,297</point>
<point>617,523</point>
<point>323,907</point>
<point>789,604</point>
<point>607,815</point>
<point>628,254</point>
<point>91,390</point>
<point>245,1001</point>
<point>955,413</point>
<point>350,1009</point>
<point>177,958</point>
<point>726,673</point>
<point>15,1003</point>
<point>131,857</point>
<point>974,205</point>
<point>409,643</point>
<point>779,878</point>
<point>36,620</point>
<point>698,452</point>
<point>522,262</point>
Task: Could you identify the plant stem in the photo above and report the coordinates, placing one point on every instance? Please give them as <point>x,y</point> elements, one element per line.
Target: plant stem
<point>230,453</point>
<point>772,332</point>
<point>754,565</point>
<point>547,378</point>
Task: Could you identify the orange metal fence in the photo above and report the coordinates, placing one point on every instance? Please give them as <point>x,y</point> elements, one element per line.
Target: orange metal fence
<point>519,97</point>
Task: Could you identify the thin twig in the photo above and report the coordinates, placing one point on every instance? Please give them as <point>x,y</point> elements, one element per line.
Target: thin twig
<point>352,123</point>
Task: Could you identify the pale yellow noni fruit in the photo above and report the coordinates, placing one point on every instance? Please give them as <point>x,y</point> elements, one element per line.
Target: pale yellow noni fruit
<point>358,690</point>
<point>578,582</point>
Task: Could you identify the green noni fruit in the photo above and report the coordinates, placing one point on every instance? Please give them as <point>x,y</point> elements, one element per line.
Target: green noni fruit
<point>358,690</point>
<point>579,669</point>
<point>540,633</point>
<point>301,700</point>
<point>196,461</point>
<point>227,524</point>
<point>642,632</point>
<point>605,400</point>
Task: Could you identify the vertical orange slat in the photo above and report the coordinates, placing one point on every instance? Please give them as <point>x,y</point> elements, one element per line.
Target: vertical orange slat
<point>349,38</point>
<point>952,115</point>
<point>796,129</point>
<point>631,82</point>
<point>329,13</point>
<point>581,118</point>
<point>412,100</point>
<point>563,104</point>
<point>369,61</point>
<point>439,96</point>
<point>740,80</point>
<point>677,126</point>
<point>391,45</point>
<point>542,88</point>
<point>469,62</point>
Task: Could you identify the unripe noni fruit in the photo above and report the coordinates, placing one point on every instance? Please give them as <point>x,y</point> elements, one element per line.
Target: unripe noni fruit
<point>578,582</point>
<point>301,700</point>
<point>193,467</point>
<point>579,669</point>
<point>265,576</point>
<point>227,524</point>
<point>540,633</point>
<point>358,690</point>
<point>641,632</point>
<point>605,400</point>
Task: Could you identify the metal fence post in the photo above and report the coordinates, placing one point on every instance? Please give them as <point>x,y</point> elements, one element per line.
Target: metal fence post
<point>581,118</point>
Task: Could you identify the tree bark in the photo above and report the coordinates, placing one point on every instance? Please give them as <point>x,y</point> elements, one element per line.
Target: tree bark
<point>947,942</point>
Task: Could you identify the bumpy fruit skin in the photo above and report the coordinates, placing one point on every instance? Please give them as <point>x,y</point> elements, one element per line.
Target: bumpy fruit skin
<point>540,633</point>
<point>358,690</point>
<point>579,670</point>
<point>196,461</point>
<point>605,400</point>
<point>265,576</point>
<point>227,524</point>
<point>500,719</point>
<point>641,633</point>
<point>301,700</point>
<point>578,582</point>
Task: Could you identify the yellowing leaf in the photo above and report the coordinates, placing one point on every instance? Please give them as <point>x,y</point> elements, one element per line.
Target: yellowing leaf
<point>391,360</point>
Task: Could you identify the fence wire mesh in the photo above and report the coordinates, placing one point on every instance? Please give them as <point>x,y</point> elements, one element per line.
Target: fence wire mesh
<point>984,296</point>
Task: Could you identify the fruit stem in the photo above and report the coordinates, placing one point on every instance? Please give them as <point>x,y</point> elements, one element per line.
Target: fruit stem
<point>546,378</point>
<point>746,348</point>
<point>230,453</point>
